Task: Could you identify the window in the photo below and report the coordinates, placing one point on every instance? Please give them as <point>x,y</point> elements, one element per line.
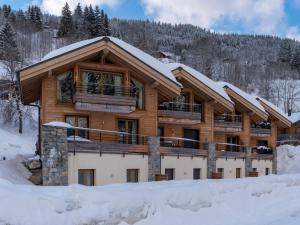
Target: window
<point>238,172</point>
<point>267,171</point>
<point>130,127</point>
<point>138,92</point>
<point>86,177</point>
<point>64,87</point>
<point>221,170</point>
<point>132,175</point>
<point>196,173</point>
<point>254,169</point>
<point>170,173</point>
<point>97,82</point>
<point>234,142</point>
<point>77,121</point>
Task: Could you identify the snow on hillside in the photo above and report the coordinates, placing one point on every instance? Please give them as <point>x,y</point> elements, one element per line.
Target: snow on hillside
<point>288,159</point>
<point>272,200</point>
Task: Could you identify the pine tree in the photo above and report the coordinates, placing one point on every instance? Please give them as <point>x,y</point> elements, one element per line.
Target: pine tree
<point>92,22</point>
<point>66,23</point>
<point>78,21</point>
<point>38,18</point>
<point>8,46</point>
<point>106,25</point>
<point>295,61</point>
<point>6,10</point>
<point>99,22</point>
<point>285,52</point>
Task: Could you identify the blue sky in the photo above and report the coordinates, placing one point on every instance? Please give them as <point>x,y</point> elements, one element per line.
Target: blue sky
<point>275,17</point>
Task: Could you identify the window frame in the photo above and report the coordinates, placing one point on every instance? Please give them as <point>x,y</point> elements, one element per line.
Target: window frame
<point>76,124</point>
<point>93,176</point>
<point>194,177</point>
<point>136,175</point>
<point>59,101</point>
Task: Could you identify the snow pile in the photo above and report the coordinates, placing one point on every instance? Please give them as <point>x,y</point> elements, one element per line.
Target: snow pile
<point>13,144</point>
<point>174,202</point>
<point>288,159</point>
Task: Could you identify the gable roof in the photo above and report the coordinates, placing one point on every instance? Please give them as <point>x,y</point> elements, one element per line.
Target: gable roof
<point>74,52</point>
<point>139,54</point>
<point>210,84</point>
<point>275,111</point>
<point>251,100</point>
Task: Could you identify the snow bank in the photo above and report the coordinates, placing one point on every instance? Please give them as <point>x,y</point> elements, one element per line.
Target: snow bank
<point>13,144</point>
<point>58,124</point>
<point>241,201</point>
<point>288,159</point>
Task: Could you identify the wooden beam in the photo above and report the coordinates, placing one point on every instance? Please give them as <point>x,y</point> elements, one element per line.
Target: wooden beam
<point>50,73</point>
<point>154,84</point>
<point>103,55</point>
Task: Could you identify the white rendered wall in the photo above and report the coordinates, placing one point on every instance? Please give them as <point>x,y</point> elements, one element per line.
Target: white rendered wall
<point>230,166</point>
<point>184,166</point>
<point>109,168</point>
<point>261,166</point>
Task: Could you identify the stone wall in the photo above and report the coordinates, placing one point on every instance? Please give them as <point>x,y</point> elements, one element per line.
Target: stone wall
<point>154,164</point>
<point>211,160</point>
<point>54,155</point>
<point>248,161</point>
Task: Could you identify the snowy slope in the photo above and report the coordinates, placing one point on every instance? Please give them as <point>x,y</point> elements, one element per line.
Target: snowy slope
<point>271,200</point>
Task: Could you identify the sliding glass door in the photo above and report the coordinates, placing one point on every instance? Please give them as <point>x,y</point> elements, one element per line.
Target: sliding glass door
<point>130,129</point>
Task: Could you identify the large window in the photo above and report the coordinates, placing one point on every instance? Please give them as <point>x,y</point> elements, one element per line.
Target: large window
<point>64,87</point>
<point>86,177</point>
<point>77,121</point>
<point>130,129</point>
<point>97,82</point>
<point>132,175</point>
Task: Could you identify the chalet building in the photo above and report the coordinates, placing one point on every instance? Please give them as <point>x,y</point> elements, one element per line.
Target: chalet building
<point>290,135</point>
<point>111,113</point>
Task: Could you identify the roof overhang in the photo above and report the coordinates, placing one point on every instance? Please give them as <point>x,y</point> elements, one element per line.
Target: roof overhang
<point>224,104</point>
<point>283,122</point>
<point>257,114</point>
<point>30,77</point>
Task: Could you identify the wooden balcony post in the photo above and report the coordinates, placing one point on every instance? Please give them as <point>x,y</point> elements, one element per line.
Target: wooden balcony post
<point>248,161</point>
<point>211,160</point>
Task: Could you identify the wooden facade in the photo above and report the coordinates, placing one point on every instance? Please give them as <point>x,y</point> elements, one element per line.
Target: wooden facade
<point>195,118</point>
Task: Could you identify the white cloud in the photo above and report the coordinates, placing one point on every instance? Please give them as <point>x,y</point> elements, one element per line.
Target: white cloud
<point>259,16</point>
<point>55,6</point>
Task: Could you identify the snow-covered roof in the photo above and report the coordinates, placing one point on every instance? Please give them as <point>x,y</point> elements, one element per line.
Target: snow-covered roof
<point>202,78</point>
<point>141,55</point>
<point>295,117</point>
<point>58,124</point>
<point>274,107</point>
<point>251,99</point>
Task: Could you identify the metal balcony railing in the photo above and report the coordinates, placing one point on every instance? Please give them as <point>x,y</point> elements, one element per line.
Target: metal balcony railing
<point>106,89</point>
<point>180,106</point>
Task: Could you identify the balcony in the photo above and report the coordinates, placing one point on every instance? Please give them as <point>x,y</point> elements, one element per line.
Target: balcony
<point>86,140</point>
<point>262,152</point>
<point>179,113</point>
<point>228,150</point>
<point>182,147</point>
<point>228,123</point>
<point>260,132</point>
<point>105,98</point>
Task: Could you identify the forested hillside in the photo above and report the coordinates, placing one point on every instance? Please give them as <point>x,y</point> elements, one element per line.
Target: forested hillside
<point>264,65</point>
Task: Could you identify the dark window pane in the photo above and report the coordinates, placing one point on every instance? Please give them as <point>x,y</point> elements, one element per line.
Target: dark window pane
<point>170,174</point>
<point>197,173</point>
<point>86,177</point>
<point>64,87</point>
<point>132,175</point>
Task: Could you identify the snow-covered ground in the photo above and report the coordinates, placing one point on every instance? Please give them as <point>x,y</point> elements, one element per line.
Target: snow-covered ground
<point>271,200</point>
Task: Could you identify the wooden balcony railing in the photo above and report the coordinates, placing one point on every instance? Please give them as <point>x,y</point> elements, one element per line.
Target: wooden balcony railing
<point>104,141</point>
